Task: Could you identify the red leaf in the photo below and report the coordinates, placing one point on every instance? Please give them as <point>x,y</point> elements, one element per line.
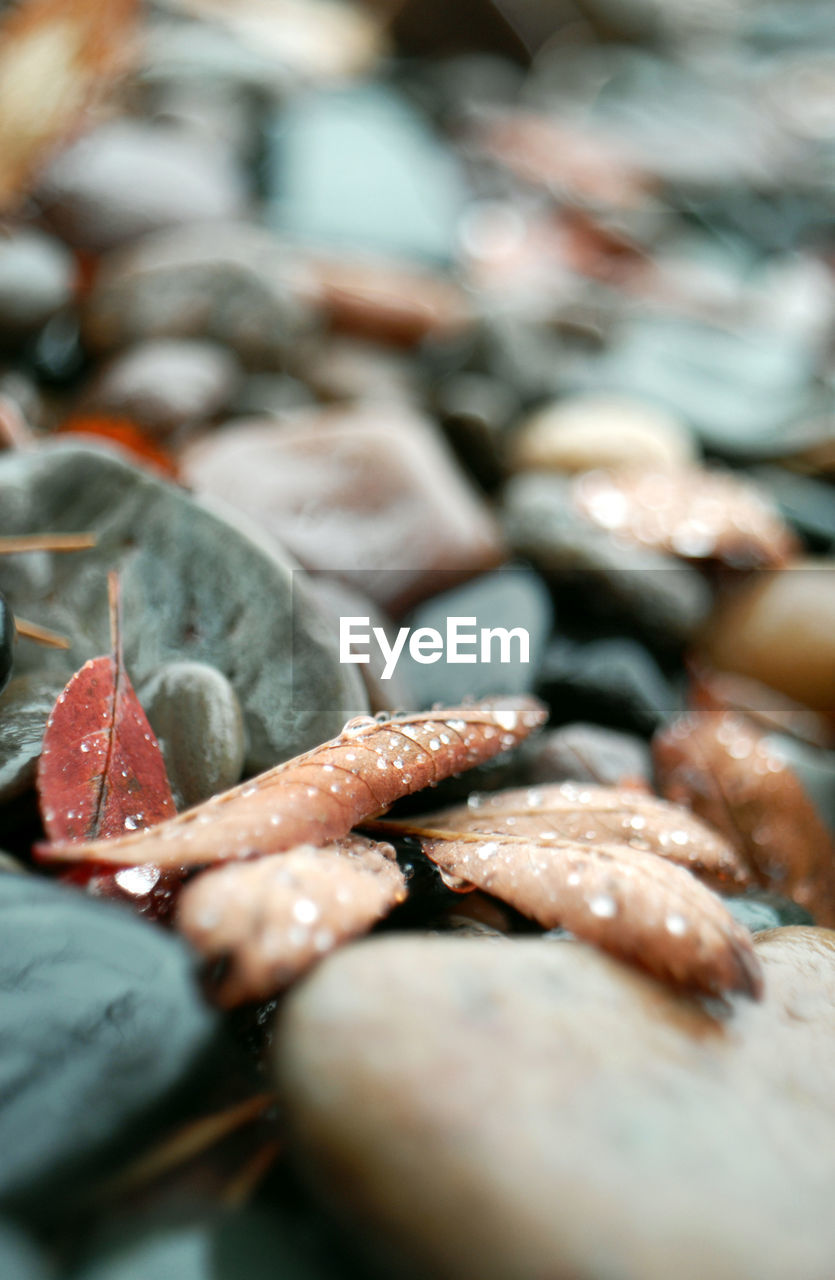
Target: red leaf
<point>318,797</point>
<point>101,770</point>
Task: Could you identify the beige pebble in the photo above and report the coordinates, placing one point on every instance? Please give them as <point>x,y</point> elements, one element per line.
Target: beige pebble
<point>585,432</point>
<point>779,628</point>
<point>534,1109</point>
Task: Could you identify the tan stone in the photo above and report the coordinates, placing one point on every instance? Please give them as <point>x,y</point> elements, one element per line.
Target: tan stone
<point>586,432</point>
<point>534,1109</point>
<point>780,629</point>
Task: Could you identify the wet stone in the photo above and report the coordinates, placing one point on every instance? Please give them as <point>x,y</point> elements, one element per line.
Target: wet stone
<point>37,278</point>
<point>370,495</point>
<point>103,1017</point>
<point>165,385</point>
<point>195,714</point>
<point>665,599</point>
<point>582,752</point>
<point>228,282</point>
<point>20,1257</point>
<point>24,706</point>
<point>580,433</point>
<point>759,910</point>
<point>506,599</point>
<point>128,178</point>
<point>357,168</point>
<point>743,392</point>
<point>619,1130</point>
<point>780,629</point>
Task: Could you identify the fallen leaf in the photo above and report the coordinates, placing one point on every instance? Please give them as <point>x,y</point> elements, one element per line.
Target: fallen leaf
<point>101,771</point>
<point>56,58</point>
<point>275,917</point>
<point>600,862</point>
<point>692,513</point>
<point>725,770</point>
<point>319,796</point>
<point>769,709</point>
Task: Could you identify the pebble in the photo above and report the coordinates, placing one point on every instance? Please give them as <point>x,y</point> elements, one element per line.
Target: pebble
<point>779,628</point>
<point>165,385</point>
<point>232,283</point>
<point>370,495</point>
<point>128,178</point>
<point>24,706</point>
<point>358,168</point>
<point>615,682</point>
<point>196,716</point>
<point>509,598</point>
<point>581,433</point>
<point>665,598</point>
<point>744,392</point>
<point>102,1015</point>
<point>536,1109</point>
<point>582,752</point>
<point>37,279</point>
<point>20,1257</point>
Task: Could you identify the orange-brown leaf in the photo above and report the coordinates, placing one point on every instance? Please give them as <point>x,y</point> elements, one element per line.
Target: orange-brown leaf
<point>728,773</point>
<point>597,861</point>
<point>691,513</point>
<point>273,918</point>
<point>56,56</point>
<point>319,796</point>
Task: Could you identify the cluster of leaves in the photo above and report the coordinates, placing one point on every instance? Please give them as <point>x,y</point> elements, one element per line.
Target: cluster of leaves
<point>266,878</point>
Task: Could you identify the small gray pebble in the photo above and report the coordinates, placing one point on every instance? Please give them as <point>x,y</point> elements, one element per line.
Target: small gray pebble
<point>195,713</point>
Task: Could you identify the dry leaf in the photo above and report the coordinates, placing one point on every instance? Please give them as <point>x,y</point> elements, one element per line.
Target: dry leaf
<point>692,513</point>
<point>319,796</point>
<point>56,56</point>
<point>275,917</point>
<point>728,773</point>
<point>599,861</point>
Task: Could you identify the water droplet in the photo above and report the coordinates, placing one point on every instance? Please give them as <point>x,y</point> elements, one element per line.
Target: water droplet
<point>603,906</point>
<point>676,924</point>
<point>137,880</point>
<point>305,911</point>
<point>382,763</point>
<point>323,939</point>
<point>506,719</point>
<point>359,724</point>
<point>475,800</point>
<point>486,851</point>
<point>85,747</point>
<point>130,823</point>
<point>434,744</point>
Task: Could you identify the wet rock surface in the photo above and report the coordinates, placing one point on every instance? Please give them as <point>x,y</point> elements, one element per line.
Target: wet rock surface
<point>414,522</point>
<point>610,1113</point>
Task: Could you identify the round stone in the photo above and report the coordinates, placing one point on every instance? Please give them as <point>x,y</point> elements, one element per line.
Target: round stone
<point>166,384</point>
<point>780,629</point>
<point>585,432</point>
<point>37,277</point>
<point>533,1108</point>
<point>195,713</point>
<point>128,178</point>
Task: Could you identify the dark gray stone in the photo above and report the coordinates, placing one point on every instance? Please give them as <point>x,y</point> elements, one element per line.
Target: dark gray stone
<point>101,1017</point>
<point>613,682</point>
